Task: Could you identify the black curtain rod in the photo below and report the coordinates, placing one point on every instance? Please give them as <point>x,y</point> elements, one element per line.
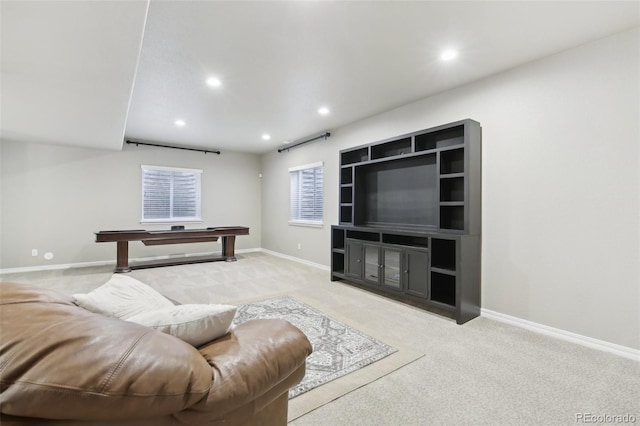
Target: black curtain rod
<point>173,147</point>
<point>287,148</point>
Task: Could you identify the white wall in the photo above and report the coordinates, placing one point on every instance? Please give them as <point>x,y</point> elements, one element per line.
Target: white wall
<point>561,186</point>
<point>54,198</point>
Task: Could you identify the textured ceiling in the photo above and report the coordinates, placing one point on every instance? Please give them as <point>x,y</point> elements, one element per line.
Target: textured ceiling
<point>68,67</point>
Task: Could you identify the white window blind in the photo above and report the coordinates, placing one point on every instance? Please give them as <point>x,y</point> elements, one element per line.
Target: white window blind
<point>171,194</point>
<point>306,194</point>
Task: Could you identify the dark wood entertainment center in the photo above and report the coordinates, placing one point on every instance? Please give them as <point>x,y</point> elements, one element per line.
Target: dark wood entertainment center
<point>409,219</point>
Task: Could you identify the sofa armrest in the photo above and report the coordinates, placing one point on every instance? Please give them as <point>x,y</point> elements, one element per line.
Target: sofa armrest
<point>248,363</point>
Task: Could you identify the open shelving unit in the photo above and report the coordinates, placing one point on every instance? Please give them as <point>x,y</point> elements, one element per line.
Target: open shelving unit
<point>409,218</point>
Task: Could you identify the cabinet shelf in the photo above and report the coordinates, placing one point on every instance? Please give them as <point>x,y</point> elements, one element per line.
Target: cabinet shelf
<point>337,239</point>
<point>355,156</point>
<point>452,217</point>
<point>443,288</point>
<point>452,147</point>
<point>391,149</point>
<point>346,193</point>
<point>443,254</point>
<point>364,236</point>
<point>346,175</point>
<point>346,213</point>
<point>406,240</point>
<point>337,252</point>
<point>452,136</point>
<point>443,271</point>
<point>394,158</point>
<point>452,190</point>
<point>452,175</point>
<point>452,161</point>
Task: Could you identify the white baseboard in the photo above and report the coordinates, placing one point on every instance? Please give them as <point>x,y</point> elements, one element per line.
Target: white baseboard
<point>104,262</point>
<point>568,336</point>
<point>54,267</point>
<point>296,259</point>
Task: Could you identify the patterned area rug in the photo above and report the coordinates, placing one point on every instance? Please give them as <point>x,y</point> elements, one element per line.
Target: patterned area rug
<point>337,348</point>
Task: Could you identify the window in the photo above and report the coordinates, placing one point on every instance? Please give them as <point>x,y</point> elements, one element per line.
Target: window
<point>306,195</point>
<point>170,194</point>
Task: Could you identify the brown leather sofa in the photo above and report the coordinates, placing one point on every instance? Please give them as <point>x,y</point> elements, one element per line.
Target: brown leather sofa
<point>63,365</point>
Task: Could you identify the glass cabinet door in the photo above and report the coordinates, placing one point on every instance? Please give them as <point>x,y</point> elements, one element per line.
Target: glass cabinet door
<point>391,266</point>
<point>372,264</point>
<point>354,259</point>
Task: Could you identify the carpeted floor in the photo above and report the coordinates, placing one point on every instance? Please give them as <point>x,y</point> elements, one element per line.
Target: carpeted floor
<point>481,373</point>
<point>343,359</point>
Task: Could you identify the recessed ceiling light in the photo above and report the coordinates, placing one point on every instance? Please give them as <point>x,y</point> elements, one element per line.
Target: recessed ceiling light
<point>180,123</point>
<point>323,110</point>
<point>266,136</point>
<point>214,82</point>
<point>449,54</point>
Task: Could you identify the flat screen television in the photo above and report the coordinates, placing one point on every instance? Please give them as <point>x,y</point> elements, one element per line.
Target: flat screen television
<point>398,193</point>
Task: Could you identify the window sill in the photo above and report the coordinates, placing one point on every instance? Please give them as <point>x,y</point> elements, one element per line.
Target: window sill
<point>306,224</point>
<point>172,222</point>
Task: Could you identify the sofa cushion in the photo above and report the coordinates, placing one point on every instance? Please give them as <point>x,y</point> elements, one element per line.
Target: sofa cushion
<point>60,361</point>
<point>192,323</point>
<point>122,297</point>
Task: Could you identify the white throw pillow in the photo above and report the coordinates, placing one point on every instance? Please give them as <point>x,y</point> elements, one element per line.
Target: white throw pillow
<point>122,297</point>
<point>192,323</point>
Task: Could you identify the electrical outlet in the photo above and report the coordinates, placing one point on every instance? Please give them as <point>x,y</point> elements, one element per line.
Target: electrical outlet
<point>299,246</point>
<point>34,252</point>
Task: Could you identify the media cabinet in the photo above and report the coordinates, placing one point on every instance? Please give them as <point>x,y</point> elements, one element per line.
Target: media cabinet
<point>410,219</point>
